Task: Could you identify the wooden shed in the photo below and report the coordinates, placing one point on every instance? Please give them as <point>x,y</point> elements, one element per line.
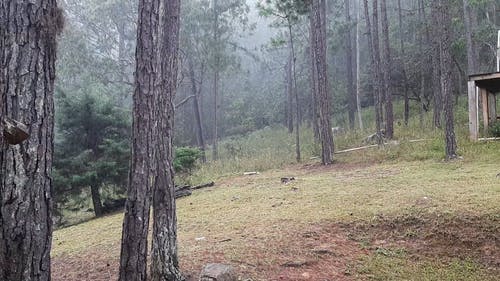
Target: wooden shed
<point>483,90</point>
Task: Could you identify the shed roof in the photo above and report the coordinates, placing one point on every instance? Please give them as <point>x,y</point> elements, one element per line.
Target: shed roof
<point>488,81</point>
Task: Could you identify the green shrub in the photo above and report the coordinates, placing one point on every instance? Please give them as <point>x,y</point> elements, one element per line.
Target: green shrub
<point>185,159</point>
<point>495,129</point>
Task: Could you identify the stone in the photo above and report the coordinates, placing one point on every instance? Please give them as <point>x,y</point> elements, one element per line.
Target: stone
<point>218,272</point>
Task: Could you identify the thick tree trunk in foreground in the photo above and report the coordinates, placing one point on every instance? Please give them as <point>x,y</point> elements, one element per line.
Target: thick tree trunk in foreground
<point>27,71</point>
<point>387,65</point>
<point>447,80</point>
<point>318,29</point>
<point>134,248</point>
<point>164,261</point>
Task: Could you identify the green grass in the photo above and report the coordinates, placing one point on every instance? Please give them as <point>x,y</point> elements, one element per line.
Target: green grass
<point>259,217</point>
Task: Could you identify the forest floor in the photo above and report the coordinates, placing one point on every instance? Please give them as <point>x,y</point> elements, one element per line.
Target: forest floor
<point>416,220</point>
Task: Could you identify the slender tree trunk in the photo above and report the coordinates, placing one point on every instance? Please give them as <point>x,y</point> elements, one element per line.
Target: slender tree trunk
<point>196,110</point>
<point>164,261</point>
<point>27,71</point>
<point>387,65</point>
<point>96,200</point>
<point>423,65</point>
<point>436,63</point>
<point>289,93</point>
<point>314,82</point>
<point>215,151</point>
<point>447,79</point>
<point>375,57</point>
<point>318,15</point>
<point>403,67</point>
<point>351,94</point>
<point>358,64</point>
<point>134,245</point>
<point>296,94</point>
<point>471,58</point>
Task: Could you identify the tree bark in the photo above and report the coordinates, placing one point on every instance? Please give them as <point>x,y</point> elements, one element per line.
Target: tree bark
<point>296,94</point>
<point>447,79</point>
<point>197,110</point>
<point>134,245</point>
<point>289,93</point>
<point>351,94</point>
<point>403,67</point>
<point>387,65</point>
<point>375,58</point>
<point>215,151</point>
<point>96,200</point>
<point>318,21</point>
<point>358,64</point>
<point>164,260</point>
<point>436,63</point>
<point>27,71</point>
<point>314,83</point>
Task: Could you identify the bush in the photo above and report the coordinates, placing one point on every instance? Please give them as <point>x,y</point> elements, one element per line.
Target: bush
<point>185,159</point>
<point>495,129</point>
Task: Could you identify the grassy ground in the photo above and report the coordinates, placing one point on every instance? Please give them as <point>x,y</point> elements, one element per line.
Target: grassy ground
<point>396,213</point>
<point>348,221</point>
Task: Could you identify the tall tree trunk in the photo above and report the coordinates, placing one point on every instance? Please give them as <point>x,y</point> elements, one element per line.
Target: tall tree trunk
<point>471,57</point>
<point>197,110</point>
<point>164,261</point>
<point>134,245</point>
<point>314,82</point>
<point>296,94</point>
<point>375,57</point>
<point>358,64</point>
<point>436,62</point>
<point>387,65</point>
<point>27,71</point>
<point>289,93</point>
<point>318,21</point>
<point>447,79</point>
<point>351,94</point>
<point>423,65</point>
<point>403,67</point>
<point>215,151</point>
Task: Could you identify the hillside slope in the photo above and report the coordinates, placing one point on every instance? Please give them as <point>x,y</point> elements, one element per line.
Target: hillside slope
<point>396,220</point>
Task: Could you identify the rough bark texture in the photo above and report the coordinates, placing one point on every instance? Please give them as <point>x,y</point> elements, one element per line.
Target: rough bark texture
<point>436,64</point>
<point>375,70</point>
<point>164,260</point>
<point>351,93</point>
<point>134,248</point>
<point>447,80</point>
<point>28,31</point>
<point>387,66</point>
<point>318,29</point>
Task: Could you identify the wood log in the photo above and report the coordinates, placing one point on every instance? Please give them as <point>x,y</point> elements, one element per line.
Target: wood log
<point>183,191</point>
<point>210,184</point>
